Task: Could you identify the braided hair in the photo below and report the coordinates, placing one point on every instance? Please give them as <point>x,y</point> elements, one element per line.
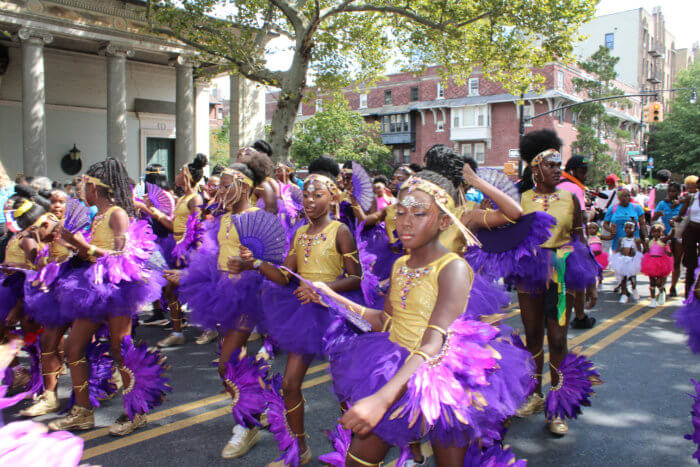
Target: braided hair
<point>445,161</point>
<point>112,173</point>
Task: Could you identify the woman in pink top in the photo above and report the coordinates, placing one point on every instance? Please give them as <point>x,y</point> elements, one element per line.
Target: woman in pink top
<point>657,263</point>
<point>381,190</point>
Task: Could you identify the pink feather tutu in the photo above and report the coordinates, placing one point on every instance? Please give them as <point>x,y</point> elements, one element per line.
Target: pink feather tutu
<point>465,393</point>
<point>215,297</point>
<point>114,285</point>
<point>603,259</point>
<point>295,327</point>
<point>657,266</point>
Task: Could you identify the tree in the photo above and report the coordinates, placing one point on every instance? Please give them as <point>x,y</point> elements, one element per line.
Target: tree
<point>219,141</point>
<point>342,41</point>
<point>343,134</point>
<point>594,124</point>
<point>675,142</point>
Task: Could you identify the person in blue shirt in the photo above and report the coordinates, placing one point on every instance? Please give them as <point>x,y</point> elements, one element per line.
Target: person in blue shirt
<point>7,189</point>
<point>623,212</point>
<point>667,210</point>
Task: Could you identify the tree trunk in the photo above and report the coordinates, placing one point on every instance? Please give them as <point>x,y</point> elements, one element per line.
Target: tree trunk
<point>292,90</point>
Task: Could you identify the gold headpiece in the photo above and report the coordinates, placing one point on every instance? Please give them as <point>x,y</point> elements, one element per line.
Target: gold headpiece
<point>444,202</point>
<point>95,181</point>
<point>553,154</point>
<point>332,187</point>
<point>238,176</point>
<point>45,217</point>
<point>156,171</point>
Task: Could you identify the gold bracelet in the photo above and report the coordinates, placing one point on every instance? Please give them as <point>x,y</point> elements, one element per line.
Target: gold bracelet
<point>420,353</point>
<point>91,251</point>
<point>484,219</point>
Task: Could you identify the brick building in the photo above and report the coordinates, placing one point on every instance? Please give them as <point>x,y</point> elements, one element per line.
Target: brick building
<point>478,118</point>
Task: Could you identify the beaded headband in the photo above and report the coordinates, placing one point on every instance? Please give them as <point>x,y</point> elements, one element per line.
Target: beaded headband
<point>156,171</point>
<point>238,176</point>
<point>553,155</point>
<point>95,181</point>
<point>332,187</point>
<point>444,202</point>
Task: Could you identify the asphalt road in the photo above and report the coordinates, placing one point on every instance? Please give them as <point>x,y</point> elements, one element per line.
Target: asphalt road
<point>638,417</point>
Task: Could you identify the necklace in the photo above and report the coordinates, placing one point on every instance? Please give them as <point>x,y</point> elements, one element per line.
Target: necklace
<point>307,241</point>
<point>410,279</point>
<point>545,199</point>
<point>98,221</point>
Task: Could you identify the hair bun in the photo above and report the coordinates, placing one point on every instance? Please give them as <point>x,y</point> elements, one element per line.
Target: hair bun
<point>200,161</point>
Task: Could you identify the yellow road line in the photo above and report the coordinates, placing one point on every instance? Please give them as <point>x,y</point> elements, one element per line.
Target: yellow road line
<point>139,437</point>
<point>317,368</point>
<point>316,381</point>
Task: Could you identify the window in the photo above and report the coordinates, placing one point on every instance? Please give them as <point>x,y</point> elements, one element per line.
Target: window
<point>610,40</point>
<point>406,156</point>
<point>387,97</point>
<point>528,113</point>
<point>363,101</point>
<point>220,112</point>
<point>467,149</point>
<point>480,152</point>
<point>440,90</point>
<point>397,155</point>
<point>319,105</point>
<point>440,126</point>
<point>560,116</point>
<point>473,86</point>
<point>471,116</point>
<point>397,123</point>
<point>414,93</point>
<point>560,80</point>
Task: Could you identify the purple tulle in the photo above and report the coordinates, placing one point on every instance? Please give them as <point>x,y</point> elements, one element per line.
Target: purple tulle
<point>245,380</point>
<point>41,299</point>
<point>100,385</point>
<point>370,282</point>
<point>27,443</point>
<point>166,245</point>
<point>688,317</point>
<point>577,376</point>
<point>296,328</point>
<point>147,381</point>
<point>582,269</point>
<point>502,250</point>
<point>495,456</point>
<point>285,438</point>
<point>486,298</point>
<point>11,290</point>
<point>215,297</point>
<point>191,240</point>
<point>695,419</point>
<point>340,438</point>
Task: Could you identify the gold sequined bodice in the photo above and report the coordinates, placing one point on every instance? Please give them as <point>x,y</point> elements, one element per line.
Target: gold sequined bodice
<point>559,204</point>
<point>452,238</point>
<point>413,295</point>
<point>15,254</point>
<point>318,258</point>
<point>229,242</point>
<point>180,215</point>
<point>390,223</point>
<point>102,235</point>
<point>58,252</point>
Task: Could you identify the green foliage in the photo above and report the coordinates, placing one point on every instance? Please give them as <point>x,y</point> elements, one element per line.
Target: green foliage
<point>604,166</point>
<point>675,142</point>
<point>219,143</point>
<point>593,120</point>
<point>339,132</point>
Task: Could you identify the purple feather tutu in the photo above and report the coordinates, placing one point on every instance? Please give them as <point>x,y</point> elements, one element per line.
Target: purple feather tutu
<point>688,317</point>
<point>582,269</point>
<point>532,272</point>
<point>495,456</point>
<point>295,327</point>
<point>214,297</point>
<point>11,290</point>
<point>41,302</point>
<point>166,245</point>
<point>486,298</point>
<point>695,418</point>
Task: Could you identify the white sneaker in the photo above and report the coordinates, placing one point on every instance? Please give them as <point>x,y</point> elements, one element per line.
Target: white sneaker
<point>652,303</point>
<point>662,298</point>
<point>624,299</point>
<point>635,294</point>
<point>241,442</point>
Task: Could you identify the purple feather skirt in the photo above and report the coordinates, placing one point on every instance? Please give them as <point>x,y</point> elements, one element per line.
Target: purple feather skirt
<point>81,298</point>
<point>534,271</point>
<point>363,364</point>
<point>166,245</point>
<point>11,290</point>
<point>215,298</point>
<point>295,327</point>
<point>42,304</point>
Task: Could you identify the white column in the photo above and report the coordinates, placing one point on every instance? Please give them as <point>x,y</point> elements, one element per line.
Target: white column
<point>33,100</point>
<point>116,100</point>
<point>184,111</point>
<point>201,116</point>
<point>235,137</point>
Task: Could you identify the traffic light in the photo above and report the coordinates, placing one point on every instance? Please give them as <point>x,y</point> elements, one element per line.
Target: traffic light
<point>657,112</point>
<point>647,113</point>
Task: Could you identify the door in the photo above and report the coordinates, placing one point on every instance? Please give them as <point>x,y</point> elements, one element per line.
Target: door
<point>162,151</point>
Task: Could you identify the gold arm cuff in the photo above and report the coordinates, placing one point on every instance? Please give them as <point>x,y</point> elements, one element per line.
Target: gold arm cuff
<point>362,462</point>
<point>438,329</point>
<point>420,353</point>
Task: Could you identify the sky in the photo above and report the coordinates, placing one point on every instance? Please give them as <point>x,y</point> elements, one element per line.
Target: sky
<point>681,16</point>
